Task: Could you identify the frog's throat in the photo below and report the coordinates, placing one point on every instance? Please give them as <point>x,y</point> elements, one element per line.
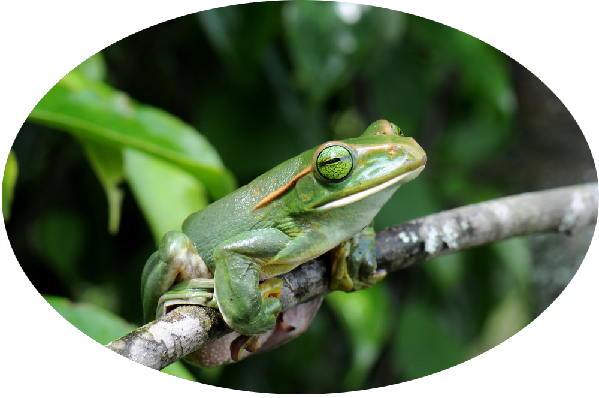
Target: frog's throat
<point>406,177</point>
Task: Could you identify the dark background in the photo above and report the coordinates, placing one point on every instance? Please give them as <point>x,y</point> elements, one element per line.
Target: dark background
<point>263,82</point>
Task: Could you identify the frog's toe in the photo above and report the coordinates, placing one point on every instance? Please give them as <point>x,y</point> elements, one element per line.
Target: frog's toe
<point>235,347</point>
<point>379,275</point>
<point>250,343</point>
<point>371,280</point>
<point>221,351</point>
<point>191,292</point>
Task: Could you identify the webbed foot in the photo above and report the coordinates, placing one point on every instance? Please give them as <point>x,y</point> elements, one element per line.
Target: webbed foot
<point>168,273</point>
<point>199,291</point>
<point>354,263</point>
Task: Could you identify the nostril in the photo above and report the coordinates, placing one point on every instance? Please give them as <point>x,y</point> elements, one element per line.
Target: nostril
<point>424,159</point>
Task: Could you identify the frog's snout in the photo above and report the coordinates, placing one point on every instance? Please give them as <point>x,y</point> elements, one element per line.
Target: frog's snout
<point>418,154</point>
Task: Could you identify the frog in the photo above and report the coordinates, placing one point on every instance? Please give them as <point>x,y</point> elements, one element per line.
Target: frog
<point>230,254</point>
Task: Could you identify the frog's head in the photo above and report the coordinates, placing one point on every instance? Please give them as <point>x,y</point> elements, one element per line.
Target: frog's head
<point>339,173</point>
<point>344,172</point>
<point>353,169</point>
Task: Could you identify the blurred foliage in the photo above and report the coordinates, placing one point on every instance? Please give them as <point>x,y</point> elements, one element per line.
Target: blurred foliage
<point>422,345</point>
<point>263,82</point>
<point>94,111</point>
<point>8,183</point>
<point>366,308</point>
<point>103,326</point>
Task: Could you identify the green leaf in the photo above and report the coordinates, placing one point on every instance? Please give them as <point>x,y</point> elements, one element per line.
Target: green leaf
<point>365,316</point>
<point>95,111</point>
<point>328,40</point>
<point>107,163</point>
<point>103,326</point>
<point>166,194</point>
<point>422,344</point>
<point>93,68</point>
<point>8,184</point>
<point>97,323</point>
<point>179,370</point>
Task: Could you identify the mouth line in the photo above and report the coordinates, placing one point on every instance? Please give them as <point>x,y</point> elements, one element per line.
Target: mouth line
<point>370,191</point>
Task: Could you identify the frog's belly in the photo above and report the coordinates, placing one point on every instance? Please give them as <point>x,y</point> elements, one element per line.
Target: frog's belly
<point>272,270</point>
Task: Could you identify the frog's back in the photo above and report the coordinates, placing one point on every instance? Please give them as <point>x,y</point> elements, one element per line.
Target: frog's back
<point>234,213</point>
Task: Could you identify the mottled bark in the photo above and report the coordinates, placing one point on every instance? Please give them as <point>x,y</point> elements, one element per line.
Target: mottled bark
<point>563,210</point>
<point>167,339</point>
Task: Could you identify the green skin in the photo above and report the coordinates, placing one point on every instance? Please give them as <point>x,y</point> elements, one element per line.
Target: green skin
<point>293,213</point>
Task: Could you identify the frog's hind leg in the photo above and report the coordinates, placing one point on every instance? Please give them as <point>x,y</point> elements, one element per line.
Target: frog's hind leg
<point>290,325</point>
<point>176,262</point>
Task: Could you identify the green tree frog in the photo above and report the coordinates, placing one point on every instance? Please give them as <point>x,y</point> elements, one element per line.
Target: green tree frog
<point>229,254</point>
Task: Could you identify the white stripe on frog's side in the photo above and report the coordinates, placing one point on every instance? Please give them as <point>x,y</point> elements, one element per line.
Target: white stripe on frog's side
<point>409,176</point>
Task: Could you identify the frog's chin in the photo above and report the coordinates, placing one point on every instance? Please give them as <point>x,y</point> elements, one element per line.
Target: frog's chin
<point>403,178</point>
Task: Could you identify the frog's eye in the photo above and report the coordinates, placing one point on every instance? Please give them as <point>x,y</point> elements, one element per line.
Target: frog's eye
<point>334,163</point>
<point>396,130</point>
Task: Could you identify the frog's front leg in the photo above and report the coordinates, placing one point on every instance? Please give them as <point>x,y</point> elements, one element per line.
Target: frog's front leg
<point>354,263</point>
<point>176,262</point>
<point>238,262</point>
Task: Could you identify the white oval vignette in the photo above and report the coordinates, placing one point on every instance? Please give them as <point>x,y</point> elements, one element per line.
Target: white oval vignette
<point>551,355</point>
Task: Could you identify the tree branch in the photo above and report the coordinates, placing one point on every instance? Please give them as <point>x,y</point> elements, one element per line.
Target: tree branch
<point>565,210</point>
